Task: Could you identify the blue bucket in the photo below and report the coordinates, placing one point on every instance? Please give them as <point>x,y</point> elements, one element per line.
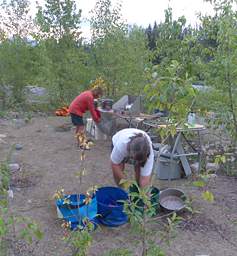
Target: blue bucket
<point>76,210</point>
<point>110,209</point>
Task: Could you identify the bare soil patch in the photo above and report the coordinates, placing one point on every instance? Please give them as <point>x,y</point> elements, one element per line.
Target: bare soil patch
<point>50,160</point>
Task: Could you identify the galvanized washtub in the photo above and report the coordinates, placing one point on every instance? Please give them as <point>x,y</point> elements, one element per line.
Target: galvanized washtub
<point>172,199</point>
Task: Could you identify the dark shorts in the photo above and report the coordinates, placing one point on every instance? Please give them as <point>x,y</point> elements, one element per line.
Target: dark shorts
<point>76,120</point>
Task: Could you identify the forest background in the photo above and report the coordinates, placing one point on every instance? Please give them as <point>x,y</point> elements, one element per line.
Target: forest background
<point>161,62</point>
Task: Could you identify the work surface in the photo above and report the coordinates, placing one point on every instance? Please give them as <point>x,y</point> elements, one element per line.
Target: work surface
<point>146,121</point>
<point>50,160</point>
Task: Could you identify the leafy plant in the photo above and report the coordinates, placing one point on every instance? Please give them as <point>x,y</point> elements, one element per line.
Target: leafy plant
<point>79,238</point>
<point>203,183</point>
<point>140,209</point>
<point>170,227</point>
<point>118,252</point>
<point>154,250</point>
<point>171,91</point>
<point>13,227</point>
<point>189,205</point>
<point>208,196</point>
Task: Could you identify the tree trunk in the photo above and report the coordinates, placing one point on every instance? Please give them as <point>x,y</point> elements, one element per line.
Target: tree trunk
<point>231,104</point>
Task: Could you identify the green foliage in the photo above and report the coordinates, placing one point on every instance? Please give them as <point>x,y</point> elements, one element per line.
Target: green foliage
<point>80,239</point>
<point>140,209</point>
<point>220,159</point>
<point>220,71</point>
<point>4,176</point>
<point>120,59</point>
<point>171,225</point>
<point>59,19</point>
<point>15,18</point>
<point>118,252</point>
<point>199,183</point>
<point>27,229</point>
<point>63,62</point>
<point>189,205</point>
<point>168,38</point>
<point>2,114</point>
<point>118,55</point>
<point>173,40</point>
<point>202,183</point>
<point>170,89</point>
<point>15,66</point>
<point>208,196</point>
<point>154,250</point>
<point>106,20</point>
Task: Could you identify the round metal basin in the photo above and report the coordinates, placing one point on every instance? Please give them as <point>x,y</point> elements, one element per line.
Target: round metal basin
<point>172,199</point>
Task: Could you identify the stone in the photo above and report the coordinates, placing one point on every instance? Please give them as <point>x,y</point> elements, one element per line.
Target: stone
<point>19,123</point>
<point>18,146</point>
<point>195,167</point>
<point>10,193</point>
<point>212,166</point>
<point>14,167</point>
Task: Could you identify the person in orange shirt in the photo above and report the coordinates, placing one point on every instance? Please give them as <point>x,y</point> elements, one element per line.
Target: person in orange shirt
<point>82,103</point>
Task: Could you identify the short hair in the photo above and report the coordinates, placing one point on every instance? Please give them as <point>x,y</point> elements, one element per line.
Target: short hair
<point>139,148</point>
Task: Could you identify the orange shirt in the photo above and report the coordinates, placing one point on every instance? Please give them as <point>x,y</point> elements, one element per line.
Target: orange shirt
<point>82,103</point>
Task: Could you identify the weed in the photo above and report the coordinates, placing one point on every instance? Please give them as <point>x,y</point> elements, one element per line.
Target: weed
<point>118,252</point>
<point>9,222</point>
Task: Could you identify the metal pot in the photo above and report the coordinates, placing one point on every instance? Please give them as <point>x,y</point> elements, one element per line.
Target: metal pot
<point>172,199</point>
<point>107,104</point>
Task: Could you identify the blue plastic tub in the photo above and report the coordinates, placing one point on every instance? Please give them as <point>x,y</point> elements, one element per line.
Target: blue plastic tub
<point>76,211</point>
<point>110,210</point>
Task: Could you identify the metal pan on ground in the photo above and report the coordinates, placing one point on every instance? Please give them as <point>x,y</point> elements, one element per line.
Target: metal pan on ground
<point>172,199</point>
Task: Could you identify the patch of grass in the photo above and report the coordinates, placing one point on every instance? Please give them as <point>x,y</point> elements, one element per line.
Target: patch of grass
<point>118,252</point>
<point>2,113</point>
<point>4,176</point>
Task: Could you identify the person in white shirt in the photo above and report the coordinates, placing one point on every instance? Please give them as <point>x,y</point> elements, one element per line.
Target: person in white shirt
<point>134,145</point>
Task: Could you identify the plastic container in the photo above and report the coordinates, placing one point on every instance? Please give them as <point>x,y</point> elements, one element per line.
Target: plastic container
<point>191,118</point>
<point>94,130</point>
<point>76,210</point>
<point>110,207</point>
<point>155,193</point>
<point>168,169</point>
<point>99,135</point>
<point>90,127</point>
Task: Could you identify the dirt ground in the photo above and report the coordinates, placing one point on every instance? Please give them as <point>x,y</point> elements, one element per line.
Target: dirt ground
<point>50,159</point>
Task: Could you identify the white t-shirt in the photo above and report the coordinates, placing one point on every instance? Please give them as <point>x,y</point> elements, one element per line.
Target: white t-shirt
<point>120,151</point>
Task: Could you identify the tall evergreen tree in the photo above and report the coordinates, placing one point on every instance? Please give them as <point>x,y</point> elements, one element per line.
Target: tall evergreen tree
<point>150,38</point>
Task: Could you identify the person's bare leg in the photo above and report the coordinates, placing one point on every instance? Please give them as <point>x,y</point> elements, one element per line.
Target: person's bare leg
<point>80,129</point>
<point>118,173</point>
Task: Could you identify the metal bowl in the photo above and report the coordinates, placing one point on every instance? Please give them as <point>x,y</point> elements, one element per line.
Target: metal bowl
<point>172,199</point>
